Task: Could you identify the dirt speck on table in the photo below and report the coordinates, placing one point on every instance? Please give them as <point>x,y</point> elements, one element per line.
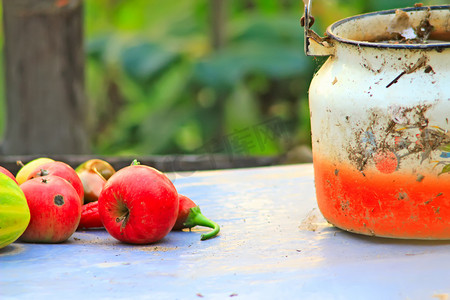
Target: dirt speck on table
<point>310,222</point>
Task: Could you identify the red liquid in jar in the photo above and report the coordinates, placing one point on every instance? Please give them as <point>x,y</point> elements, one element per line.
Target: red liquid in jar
<point>397,205</point>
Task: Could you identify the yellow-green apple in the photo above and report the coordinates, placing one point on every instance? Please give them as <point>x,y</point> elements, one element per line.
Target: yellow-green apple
<point>14,212</point>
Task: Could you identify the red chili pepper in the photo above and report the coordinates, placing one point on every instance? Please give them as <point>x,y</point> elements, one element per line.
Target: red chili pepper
<point>189,215</point>
<point>90,218</point>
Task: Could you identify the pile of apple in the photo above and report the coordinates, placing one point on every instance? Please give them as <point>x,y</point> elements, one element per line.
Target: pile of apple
<point>47,201</point>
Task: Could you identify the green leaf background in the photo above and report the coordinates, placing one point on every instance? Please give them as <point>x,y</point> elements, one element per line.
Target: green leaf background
<point>156,85</point>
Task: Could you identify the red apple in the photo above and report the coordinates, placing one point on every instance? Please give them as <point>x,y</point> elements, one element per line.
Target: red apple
<point>138,205</point>
<point>8,173</point>
<point>55,209</point>
<point>102,167</point>
<point>93,184</point>
<point>93,174</point>
<point>29,167</point>
<point>63,170</point>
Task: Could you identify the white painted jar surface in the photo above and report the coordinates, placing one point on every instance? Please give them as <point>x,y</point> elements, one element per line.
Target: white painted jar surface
<point>380,110</point>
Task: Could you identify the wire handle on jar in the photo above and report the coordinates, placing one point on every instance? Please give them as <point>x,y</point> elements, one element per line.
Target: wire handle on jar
<point>314,45</point>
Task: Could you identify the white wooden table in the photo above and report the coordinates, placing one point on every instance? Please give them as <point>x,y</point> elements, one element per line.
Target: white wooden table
<point>273,244</point>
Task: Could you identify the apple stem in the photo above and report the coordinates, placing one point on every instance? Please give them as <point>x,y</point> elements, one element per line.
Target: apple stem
<point>135,162</point>
<point>20,163</point>
<point>196,217</point>
<point>123,218</point>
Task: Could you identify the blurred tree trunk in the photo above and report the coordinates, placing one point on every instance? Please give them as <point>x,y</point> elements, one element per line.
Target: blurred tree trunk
<point>218,19</point>
<point>218,15</point>
<point>44,77</point>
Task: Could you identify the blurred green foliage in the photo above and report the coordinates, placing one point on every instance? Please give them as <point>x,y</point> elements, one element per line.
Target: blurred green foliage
<point>157,84</point>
